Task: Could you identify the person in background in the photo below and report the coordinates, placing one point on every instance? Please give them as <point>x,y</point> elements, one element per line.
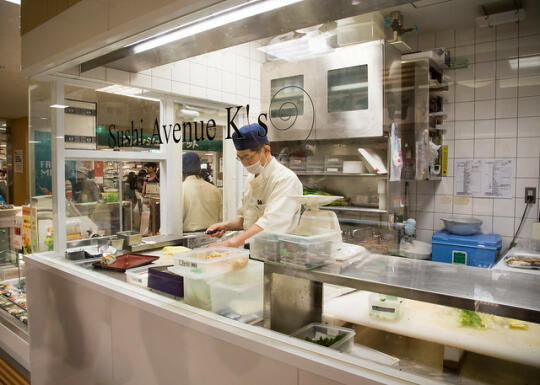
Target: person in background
<point>151,175</point>
<point>203,202</point>
<point>85,189</point>
<point>266,202</point>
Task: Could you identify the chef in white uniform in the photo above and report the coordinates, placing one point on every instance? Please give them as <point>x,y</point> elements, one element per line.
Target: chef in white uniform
<point>203,202</point>
<point>265,202</point>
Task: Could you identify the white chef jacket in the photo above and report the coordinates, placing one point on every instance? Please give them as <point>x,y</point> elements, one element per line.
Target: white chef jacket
<point>203,204</point>
<point>266,202</point>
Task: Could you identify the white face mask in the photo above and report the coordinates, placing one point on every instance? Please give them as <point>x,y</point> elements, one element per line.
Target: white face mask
<point>255,168</point>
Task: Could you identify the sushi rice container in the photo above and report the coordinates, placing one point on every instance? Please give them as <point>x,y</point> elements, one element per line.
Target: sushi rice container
<point>213,259</point>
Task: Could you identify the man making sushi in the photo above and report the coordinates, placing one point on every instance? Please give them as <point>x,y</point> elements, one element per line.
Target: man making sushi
<point>266,202</point>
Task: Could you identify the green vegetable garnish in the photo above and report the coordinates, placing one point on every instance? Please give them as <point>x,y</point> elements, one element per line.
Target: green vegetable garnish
<point>469,318</point>
<point>328,341</point>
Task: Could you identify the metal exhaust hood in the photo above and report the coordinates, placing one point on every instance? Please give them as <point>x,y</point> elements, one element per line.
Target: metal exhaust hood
<point>300,14</point>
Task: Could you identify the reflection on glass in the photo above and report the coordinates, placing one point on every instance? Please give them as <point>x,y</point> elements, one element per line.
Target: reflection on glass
<point>93,204</point>
<point>287,97</point>
<point>348,89</point>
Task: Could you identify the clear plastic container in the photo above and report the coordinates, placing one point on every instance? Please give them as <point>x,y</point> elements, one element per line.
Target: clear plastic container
<point>386,307</point>
<point>197,290</point>
<point>213,259</point>
<point>317,332</point>
<point>308,252</point>
<point>265,246</point>
<point>138,276</point>
<point>239,294</point>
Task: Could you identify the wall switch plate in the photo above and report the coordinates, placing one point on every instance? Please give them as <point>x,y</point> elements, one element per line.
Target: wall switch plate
<point>530,195</point>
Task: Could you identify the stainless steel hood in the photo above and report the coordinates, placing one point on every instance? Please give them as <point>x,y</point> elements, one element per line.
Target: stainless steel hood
<point>295,16</point>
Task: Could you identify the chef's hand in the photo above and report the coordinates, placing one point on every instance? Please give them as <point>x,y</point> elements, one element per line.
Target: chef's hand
<point>216,230</point>
<point>227,243</point>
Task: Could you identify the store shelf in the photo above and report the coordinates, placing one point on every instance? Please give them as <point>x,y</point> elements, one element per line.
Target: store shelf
<point>322,173</point>
<point>506,294</point>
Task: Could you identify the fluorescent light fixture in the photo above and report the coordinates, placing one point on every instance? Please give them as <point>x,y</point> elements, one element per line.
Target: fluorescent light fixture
<point>525,62</point>
<point>126,91</point>
<point>62,106</point>
<point>299,48</point>
<point>213,21</point>
<point>34,141</point>
<point>14,1</point>
<point>350,86</point>
<point>189,113</point>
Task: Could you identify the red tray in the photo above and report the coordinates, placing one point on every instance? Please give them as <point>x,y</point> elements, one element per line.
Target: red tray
<point>127,261</point>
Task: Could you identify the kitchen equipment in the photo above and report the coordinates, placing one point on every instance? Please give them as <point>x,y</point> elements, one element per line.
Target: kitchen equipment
<point>462,226</point>
<point>197,290</point>
<point>127,261</point>
<point>117,242</point>
<point>333,163</point>
<point>213,259</point>
<point>320,333</point>
<point>348,87</point>
<point>297,163</point>
<point>353,167</point>
<point>131,237</point>
<point>479,250</point>
<point>315,164</point>
<point>239,294</point>
<point>161,279</point>
<point>415,249</point>
<point>386,307</point>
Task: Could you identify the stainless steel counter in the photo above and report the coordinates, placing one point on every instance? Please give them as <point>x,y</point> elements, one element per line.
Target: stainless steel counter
<point>508,294</point>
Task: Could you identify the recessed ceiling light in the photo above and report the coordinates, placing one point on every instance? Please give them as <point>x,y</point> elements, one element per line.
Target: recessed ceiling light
<point>427,3</point>
<point>62,106</point>
<point>14,1</point>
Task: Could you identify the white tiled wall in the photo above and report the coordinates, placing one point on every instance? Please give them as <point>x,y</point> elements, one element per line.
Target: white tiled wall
<point>493,112</point>
<point>230,75</point>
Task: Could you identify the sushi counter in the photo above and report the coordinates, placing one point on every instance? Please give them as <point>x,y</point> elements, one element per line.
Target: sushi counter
<point>253,322</point>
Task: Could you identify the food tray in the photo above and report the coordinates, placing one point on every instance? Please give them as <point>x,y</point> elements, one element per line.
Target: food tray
<point>201,260</point>
<point>523,261</point>
<point>318,330</point>
<point>127,261</point>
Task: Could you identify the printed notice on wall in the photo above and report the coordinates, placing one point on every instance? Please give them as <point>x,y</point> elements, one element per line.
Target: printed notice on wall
<point>489,178</point>
<point>19,161</point>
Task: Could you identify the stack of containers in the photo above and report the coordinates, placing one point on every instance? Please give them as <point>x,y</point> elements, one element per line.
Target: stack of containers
<point>222,280</point>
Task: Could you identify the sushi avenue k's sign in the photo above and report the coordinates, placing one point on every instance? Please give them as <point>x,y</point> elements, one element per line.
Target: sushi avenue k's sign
<point>179,131</point>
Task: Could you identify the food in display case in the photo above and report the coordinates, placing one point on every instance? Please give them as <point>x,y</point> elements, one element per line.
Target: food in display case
<point>523,261</point>
<point>13,301</point>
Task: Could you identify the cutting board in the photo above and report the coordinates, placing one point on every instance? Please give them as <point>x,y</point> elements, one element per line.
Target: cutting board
<point>440,324</point>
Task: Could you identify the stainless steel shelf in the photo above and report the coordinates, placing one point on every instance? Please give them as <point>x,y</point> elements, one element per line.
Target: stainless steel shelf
<point>507,294</point>
<point>355,209</point>
<point>320,173</point>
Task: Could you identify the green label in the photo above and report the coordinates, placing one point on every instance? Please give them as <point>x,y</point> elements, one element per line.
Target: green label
<point>459,257</point>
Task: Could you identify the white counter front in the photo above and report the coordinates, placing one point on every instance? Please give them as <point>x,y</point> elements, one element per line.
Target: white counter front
<point>89,328</point>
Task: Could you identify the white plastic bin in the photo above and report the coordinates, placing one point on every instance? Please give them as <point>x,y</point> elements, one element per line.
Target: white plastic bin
<point>308,252</point>
<point>197,286</point>
<point>265,246</point>
<point>239,294</point>
<point>138,276</point>
<point>317,331</point>
<point>202,259</point>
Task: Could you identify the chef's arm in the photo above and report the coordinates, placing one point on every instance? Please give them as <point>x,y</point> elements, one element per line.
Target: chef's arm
<point>241,238</point>
<point>235,224</point>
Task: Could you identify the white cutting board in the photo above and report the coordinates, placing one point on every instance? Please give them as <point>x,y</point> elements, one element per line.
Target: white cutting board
<point>440,324</point>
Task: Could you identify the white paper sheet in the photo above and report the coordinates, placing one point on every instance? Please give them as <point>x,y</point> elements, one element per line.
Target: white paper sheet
<point>492,178</point>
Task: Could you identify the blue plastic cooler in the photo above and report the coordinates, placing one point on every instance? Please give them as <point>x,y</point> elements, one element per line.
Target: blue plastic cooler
<point>479,250</point>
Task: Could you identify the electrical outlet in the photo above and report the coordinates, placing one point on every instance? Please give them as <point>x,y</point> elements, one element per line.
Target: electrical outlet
<point>530,195</point>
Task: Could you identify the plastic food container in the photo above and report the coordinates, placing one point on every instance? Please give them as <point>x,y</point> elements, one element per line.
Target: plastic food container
<point>318,332</point>
<point>462,226</point>
<point>308,252</point>
<point>385,307</point>
<point>159,278</point>
<point>333,163</point>
<point>138,276</point>
<point>197,290</point>
<point>265,246</point>
<point>213,259</point>
<point>297,163</point>
<point>239,294</point>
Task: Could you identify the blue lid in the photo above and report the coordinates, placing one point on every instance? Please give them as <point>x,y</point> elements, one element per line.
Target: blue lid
<point>486,240</point>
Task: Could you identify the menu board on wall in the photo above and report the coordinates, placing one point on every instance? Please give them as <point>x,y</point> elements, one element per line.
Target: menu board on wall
<point>488,178</point>
<point>19,161</point>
